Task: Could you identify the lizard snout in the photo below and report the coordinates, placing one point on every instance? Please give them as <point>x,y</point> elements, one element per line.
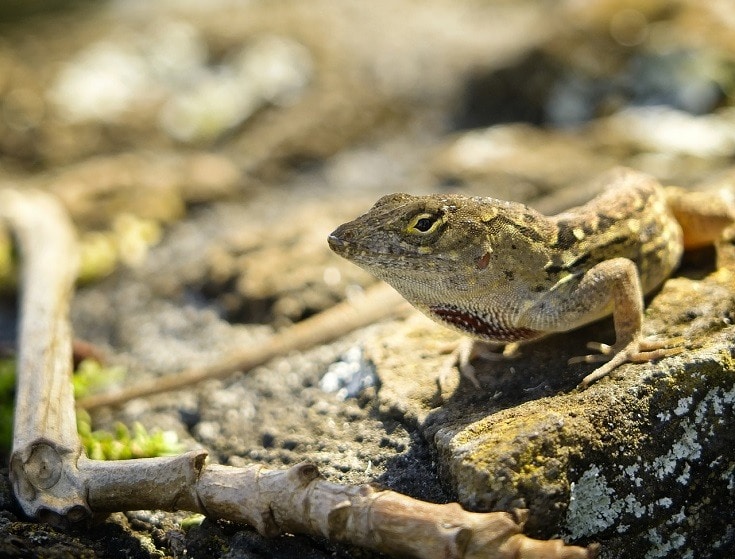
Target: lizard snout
<point>335,241</point>
<point>339,239</point>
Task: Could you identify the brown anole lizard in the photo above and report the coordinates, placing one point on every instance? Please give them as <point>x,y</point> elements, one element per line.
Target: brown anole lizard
<point>504,273</point>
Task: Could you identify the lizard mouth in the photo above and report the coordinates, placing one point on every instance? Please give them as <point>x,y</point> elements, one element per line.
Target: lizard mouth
<point>341,241</point>
<point>347,243</point>
<point>342,246</point>
<point>336,243</point>
<point>352,250</point>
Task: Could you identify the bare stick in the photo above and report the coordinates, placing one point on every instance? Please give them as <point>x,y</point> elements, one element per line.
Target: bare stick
<point>376,303</point>
<point>54,482</point>
<point>45,441</point>
<point>299,501</point>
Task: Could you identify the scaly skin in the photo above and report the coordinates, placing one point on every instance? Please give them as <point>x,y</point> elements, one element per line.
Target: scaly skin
<point>503,273</point>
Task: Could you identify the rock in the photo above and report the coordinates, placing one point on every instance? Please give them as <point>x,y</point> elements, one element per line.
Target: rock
<point>641,461</point>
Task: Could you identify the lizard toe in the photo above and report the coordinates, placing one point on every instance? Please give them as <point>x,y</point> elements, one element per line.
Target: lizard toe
<point>639,350</point>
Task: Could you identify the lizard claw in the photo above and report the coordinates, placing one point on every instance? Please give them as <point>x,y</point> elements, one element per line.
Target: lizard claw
<point>650,350</point>
<point>448,368</point>
<point>605,352</point>
<point>467,350</point>
<point>640,350</point>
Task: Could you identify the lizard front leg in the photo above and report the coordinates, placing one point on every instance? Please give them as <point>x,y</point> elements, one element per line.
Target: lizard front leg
<point>615,283</point>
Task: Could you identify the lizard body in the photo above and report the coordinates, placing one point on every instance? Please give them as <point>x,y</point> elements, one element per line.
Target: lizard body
<point>503,273</point>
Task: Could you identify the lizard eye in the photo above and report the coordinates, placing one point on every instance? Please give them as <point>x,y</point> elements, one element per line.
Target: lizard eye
<point>424,223</point>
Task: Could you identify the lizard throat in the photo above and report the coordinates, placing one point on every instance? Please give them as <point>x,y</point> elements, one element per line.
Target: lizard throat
<point>481,326</point>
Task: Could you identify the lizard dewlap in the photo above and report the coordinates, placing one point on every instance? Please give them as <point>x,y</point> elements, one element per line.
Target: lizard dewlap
<point>502,272</point>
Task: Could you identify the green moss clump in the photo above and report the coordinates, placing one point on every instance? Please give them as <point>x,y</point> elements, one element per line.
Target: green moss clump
<point>192,521</point>
<point>125,443</point>
<point>122,444</point>
<point>98,256</point>
<point>91,376</point>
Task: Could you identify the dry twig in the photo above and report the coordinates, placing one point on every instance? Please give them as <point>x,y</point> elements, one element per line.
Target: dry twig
<point>54,482</point>
<point>376,303</point>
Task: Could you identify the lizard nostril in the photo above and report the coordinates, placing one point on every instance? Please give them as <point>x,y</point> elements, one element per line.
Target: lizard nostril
<point>336,241</point>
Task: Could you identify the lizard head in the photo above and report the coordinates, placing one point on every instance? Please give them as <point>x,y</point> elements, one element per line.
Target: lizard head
<point>437,244</point>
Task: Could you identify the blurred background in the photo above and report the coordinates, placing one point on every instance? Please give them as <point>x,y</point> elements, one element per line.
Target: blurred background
<point>204,102</point>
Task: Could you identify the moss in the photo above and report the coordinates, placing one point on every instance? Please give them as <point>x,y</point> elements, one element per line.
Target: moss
<point>128,242</point>
<point>195,520</point>
<point>91,376</point>
<point>525,459</point>
<point>690,383</point>
<point>121,444</point>
<point>125,443</point>
<point>685,453</point>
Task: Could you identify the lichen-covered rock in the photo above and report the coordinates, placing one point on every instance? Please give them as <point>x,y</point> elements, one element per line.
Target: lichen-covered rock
<point>641,461</point>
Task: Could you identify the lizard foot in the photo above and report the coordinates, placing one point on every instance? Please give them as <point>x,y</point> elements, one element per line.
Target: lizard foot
<point>640,350</point>
<point>466,351</point>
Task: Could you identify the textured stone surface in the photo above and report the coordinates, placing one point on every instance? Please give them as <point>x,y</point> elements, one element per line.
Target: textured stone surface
<point>641,461</point>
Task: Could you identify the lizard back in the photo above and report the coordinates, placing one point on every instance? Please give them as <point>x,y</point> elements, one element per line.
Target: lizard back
<point>630,219</point>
